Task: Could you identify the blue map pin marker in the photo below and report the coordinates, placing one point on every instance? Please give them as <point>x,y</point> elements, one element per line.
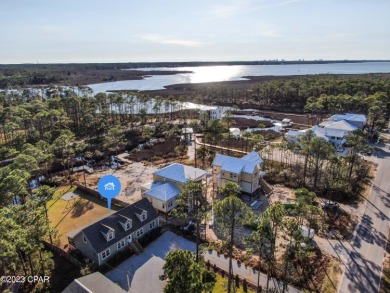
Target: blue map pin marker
<point>109,187</point>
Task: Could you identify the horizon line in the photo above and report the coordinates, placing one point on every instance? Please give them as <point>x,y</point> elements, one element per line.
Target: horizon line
<point>217,62</point>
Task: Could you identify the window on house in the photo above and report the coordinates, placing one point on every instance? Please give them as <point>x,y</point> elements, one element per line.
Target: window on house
<point>143,216</point>
<point>120,244</point>
<point>140,232</point>
<point>163,206</point>
<point>231,175</point>
<point>105,253</point>
<point>170,204</point>
<point>110,235</point>
<point>128,225</point>
<point>152,225</point>
<point>84,239</point>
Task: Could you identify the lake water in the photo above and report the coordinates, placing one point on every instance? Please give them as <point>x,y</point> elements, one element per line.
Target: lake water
<point>236,72</point>
<point>165,107</point>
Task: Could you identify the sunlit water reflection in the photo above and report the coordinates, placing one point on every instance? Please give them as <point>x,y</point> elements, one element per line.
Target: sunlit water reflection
<point>236,72</point>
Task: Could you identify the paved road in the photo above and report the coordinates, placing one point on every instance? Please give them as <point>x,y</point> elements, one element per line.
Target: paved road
<point>366,252</point>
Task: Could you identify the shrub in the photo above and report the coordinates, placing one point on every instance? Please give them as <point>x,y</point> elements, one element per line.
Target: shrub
<point>237,279</point>
<point>245,285</point>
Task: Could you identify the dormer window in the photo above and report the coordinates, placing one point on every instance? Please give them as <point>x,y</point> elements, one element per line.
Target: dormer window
<point>125,222</point>
<point>108,232</point>
<point>110,235</point>
<point>142,217</point>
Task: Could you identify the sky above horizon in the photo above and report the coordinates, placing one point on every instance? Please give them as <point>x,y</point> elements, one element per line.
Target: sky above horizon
<point>47,31</point>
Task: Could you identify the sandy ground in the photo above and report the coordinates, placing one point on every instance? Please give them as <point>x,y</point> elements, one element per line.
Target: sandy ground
<point>131,176</point>
<point>282,194</point>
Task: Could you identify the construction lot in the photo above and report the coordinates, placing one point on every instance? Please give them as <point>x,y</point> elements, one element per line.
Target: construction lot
<point>132,175</point>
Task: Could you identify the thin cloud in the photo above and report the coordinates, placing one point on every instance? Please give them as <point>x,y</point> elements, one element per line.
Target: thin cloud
<point>278,4</point>
<point>270,34</point>
<point>225,11</point>
<point>163,40</point>
<point>230,10</point>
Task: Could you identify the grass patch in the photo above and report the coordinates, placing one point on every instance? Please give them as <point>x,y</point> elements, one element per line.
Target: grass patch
<point>332,278</point>
<point>67,216</point>
<point>221,285</point>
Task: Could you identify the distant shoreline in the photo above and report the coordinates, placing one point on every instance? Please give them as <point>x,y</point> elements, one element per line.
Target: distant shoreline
<point>85,74</point>
<point>188,88</point>
<point>135,65</point>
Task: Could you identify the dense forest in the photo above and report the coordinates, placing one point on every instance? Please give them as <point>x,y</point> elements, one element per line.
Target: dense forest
<point>350,93</point>
<point>42,132</point>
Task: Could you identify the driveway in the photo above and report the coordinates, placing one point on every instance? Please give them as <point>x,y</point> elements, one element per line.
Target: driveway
<point>141,273</point>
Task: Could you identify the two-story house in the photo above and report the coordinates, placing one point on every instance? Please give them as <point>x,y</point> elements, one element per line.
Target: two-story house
<point>244,171</point>
<point>167,183</point>
<point>103,239</point>
<point>208,113</point>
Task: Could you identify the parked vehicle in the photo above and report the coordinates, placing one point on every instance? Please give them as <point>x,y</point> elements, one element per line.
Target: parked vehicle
<point>189,226</point>
<point>330,205</point>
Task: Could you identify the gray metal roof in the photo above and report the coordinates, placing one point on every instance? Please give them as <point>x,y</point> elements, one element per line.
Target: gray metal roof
<point>180,173</point>
<point>95,283</point>
<point>237,165</point>
<point>164,191</point>
<point>349,117</point>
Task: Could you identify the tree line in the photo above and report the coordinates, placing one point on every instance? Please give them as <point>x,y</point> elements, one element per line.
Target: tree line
<point>297,94</point>
<point>314,163</point>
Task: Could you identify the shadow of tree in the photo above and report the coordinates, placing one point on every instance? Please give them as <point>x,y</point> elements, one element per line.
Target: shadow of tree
<point>81,207</point>
<point>365,274</point>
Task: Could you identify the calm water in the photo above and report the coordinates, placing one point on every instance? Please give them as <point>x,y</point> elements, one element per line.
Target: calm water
<point>236,72</point>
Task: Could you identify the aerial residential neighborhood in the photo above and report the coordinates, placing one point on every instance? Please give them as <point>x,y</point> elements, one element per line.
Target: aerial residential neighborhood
<point>126,248</point>
<point>195,147</point>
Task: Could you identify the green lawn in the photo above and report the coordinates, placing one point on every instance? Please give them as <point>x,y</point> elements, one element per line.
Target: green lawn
<point>221,286</point>
<point>67,216</point>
